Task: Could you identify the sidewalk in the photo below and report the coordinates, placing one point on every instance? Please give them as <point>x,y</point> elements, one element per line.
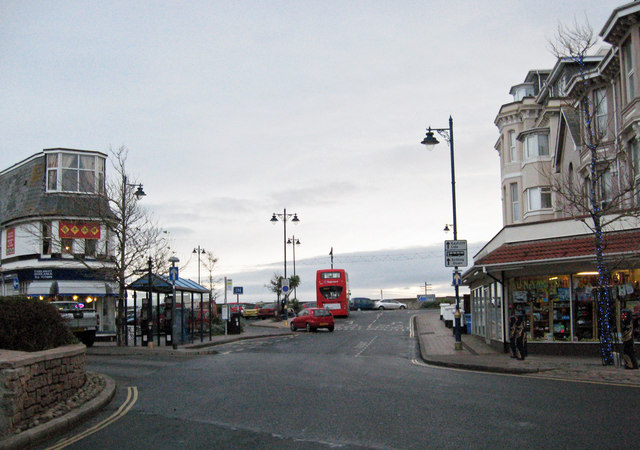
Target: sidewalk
<point>254,330</point>
<point>437,347</point>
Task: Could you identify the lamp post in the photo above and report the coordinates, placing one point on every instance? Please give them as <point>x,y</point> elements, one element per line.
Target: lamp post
<point>173,260</point>
<point>199,251</point>
<point>293,241</point>
<point>284,216</point>
<point>430,142</point>
<point>121,323</point>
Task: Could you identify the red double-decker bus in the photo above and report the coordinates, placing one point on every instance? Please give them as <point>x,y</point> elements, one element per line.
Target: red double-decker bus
<point>332,291</point>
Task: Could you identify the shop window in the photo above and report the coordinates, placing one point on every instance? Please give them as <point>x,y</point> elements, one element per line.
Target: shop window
<point>90,247</point>
<point>46,238</point>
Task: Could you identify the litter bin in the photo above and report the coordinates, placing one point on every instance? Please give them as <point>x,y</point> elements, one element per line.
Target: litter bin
<point>467,318</point>
<point>234,327</point>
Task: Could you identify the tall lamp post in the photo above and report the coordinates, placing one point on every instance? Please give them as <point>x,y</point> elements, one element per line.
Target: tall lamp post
<point>199,251</point>
<point>293,242</point>
<point>284,217</point>
<point>430,142</point>
<point>121,322</point>
<point>173,260</point>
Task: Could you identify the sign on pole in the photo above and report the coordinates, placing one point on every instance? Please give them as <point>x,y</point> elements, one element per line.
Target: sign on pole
<point>455,253</point>
<point>457,279</point>
<point>285,285</point>
<point>237,290</point>
<point>173,274</point>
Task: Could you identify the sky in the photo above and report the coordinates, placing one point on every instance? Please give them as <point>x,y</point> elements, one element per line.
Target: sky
<point>235,110</point>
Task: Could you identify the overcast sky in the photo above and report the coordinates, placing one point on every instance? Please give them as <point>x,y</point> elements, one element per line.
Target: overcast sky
<point>234,110</point>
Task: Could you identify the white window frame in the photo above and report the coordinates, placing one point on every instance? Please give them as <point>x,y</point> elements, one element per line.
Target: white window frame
<point>513,149</point>
<point>629,70</point>
<point>81,172</point>
<point>515,202</point>
<point>600,112</point>
<point>533,144</point>
<point>535,198</point>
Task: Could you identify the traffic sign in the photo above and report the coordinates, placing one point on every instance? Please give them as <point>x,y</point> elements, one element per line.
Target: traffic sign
<point>457,279</point>
<point>455,253</point>
<point>285,285</point>
<point>16,283</point>
<point>237,290</point>
<point>173,274</point>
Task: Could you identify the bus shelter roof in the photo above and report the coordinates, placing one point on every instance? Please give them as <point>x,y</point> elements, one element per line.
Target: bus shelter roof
<point>161,284</point>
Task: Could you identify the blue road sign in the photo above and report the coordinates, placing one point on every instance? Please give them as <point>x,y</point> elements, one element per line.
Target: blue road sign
<point>237,290</point>
<point>16,283</point>
<point>173,274</point>
<point>457,279</point>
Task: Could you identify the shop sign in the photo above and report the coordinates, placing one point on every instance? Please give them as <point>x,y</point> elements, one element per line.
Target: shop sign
<point>43,274</point>
<point>11,241</point>
<point>80,230</point>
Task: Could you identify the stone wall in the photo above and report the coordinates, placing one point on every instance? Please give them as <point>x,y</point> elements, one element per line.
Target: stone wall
<point>33,382</point>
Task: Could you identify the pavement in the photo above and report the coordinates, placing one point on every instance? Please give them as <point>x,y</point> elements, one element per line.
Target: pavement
<point>437,348</point>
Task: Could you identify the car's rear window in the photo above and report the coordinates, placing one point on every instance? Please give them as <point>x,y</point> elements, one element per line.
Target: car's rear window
<point>321,312</point>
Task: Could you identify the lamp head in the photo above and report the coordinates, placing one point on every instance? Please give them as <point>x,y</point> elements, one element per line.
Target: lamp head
<point>274,219</point>
<point>174,259</point>
<point>139,192</point>
<point>430,141</point>
<point>295,219</point>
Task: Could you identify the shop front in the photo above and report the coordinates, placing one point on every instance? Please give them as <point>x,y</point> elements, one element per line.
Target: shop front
<point>553,284</point>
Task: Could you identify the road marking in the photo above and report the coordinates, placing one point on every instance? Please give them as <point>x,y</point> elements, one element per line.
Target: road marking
<point>132,398</point>
<point>412,324</point>
<point>534,376</point>
<point>366,346</point>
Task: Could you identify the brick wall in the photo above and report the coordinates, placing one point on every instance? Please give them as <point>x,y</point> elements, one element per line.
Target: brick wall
<point>31,383</point>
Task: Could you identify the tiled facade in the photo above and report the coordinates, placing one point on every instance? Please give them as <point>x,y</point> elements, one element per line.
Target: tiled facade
<point>541,264</point>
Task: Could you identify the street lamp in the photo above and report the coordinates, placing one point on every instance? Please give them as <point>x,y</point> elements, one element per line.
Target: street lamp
<point>121,323</point>
<point>173,260</point>
<point>430,142</point>
<point>199,251</point>
<point>293,241</point>
<point>274,219</point>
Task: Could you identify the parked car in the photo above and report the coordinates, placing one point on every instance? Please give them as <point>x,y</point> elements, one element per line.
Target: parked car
<point>389,304</point>
<point>250,311</point>
<point>268,310</point>
<point>313,318</point>
<point>361,303</point>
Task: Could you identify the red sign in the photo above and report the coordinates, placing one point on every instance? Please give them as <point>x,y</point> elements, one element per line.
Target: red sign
<point>11,241</point>
<point>80,230</point>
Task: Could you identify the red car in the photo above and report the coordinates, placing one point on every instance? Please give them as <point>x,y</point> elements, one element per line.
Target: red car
<point>267,311</point>
<point>312,319</point>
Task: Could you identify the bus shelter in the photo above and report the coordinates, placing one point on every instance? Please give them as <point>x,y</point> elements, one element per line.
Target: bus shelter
<point>193,313</point>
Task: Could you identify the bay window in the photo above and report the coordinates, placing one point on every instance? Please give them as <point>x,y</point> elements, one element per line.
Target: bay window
<point>75,172</point>
<point>539,198</point>
<point>536,145</point>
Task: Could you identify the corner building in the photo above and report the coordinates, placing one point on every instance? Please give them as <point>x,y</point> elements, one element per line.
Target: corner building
<point>55,241</point>
<point>542,263</point>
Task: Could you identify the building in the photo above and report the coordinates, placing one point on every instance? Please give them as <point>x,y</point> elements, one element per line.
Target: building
<point>54,239</point>
<point>570,136</point>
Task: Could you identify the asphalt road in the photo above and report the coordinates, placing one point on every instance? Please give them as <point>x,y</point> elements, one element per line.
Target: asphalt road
<point>358,387</point>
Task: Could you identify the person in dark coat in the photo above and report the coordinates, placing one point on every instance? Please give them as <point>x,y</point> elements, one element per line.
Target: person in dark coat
<point>628,353</point>
<point>512,335</point>
<point>521,339</point>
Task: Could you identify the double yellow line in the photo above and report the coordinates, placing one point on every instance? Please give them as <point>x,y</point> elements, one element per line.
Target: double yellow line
<point>132,398</point>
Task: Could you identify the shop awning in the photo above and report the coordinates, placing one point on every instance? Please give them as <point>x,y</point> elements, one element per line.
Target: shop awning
<point>616,244</point>
<point>71,287</point>
<point>85,287</point>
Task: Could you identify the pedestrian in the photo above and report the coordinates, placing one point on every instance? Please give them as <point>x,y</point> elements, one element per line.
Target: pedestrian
<point>521,338</point>
<point>628,353</point>
<point>512,335</point>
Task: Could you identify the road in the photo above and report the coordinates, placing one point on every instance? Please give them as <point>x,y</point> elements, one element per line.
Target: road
<point>358,387</point>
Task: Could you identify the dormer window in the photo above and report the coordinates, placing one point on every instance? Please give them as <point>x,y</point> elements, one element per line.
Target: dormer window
<point>75,172</point>
<point>521,91</point>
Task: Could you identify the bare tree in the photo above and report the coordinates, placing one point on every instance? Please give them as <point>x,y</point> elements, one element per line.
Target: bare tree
<point>137,236</point>
<point>209,262</point>
<point>589,194</point>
